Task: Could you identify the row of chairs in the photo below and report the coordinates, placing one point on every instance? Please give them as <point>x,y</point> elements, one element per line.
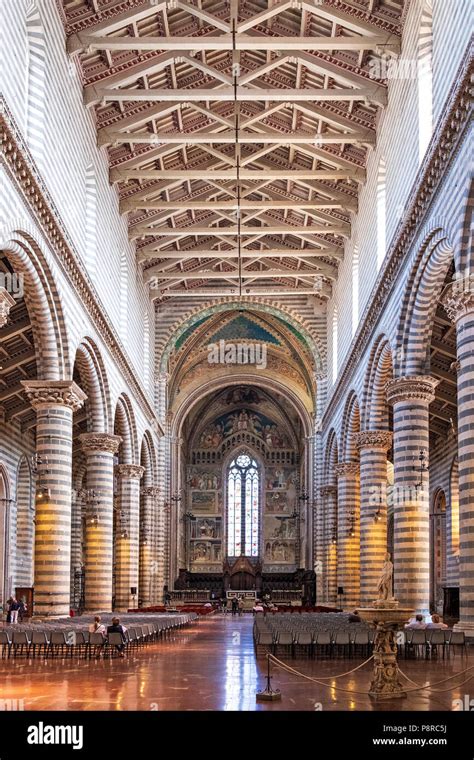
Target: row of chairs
<point>355,641</point>
<point>313,643</point>
<point>430,641</point>
<point>71,641</point>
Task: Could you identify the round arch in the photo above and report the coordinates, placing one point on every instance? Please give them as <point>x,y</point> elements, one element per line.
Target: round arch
<point>42,301</point>
<point>425,281</point>
<point>350,426</point>
<point>217,383</point>
<point>125,427</point>
<point>94,380</point>
<point>374,411</point>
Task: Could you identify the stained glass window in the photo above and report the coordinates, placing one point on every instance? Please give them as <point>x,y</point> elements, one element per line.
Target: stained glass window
<point>243,508</point>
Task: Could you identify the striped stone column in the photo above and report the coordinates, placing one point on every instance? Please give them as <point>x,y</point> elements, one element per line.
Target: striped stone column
<point>148,559</point>
<point>76,535</point>
<point>411,397</point>
<point>127,539</point>
<point>373,446</point>
<point>348,531</point>
<point>328,529</point>
<point>458,302</point>
<point>54,402</point>
<point>99,450</point>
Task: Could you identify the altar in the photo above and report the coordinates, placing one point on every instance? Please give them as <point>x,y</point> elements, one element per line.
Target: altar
<point>249,597</point>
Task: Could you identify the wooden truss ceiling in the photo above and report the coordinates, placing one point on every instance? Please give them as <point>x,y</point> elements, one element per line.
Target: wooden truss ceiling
<point>237,132</point>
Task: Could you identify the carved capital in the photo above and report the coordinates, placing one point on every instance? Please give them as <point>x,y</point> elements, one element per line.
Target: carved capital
<point>412,387</point>
<point>99,442</point>
<point>458,298</point>
<point>6,303</point>
<point>346,469</point>
<point>44,393</point>
<point>129,471</point>
<point>373,439</point>
<point>152,491</point>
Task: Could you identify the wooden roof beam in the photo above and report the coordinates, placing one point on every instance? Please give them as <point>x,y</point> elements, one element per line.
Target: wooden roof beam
<point>372,93</point>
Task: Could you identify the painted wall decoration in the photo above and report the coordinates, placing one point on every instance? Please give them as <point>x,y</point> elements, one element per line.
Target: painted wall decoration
<point>280,491</point>
<point>203,502</point>
<point>280,551</point>
<point>206,528</point>
<point>244,420</point>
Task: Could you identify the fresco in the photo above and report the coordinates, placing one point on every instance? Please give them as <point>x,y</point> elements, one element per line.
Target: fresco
<point>244,420</point>
<point>280,551</point>
<point>203,501</point>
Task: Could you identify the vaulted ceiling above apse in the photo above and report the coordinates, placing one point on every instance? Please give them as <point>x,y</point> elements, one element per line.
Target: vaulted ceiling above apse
<point>237,132</point>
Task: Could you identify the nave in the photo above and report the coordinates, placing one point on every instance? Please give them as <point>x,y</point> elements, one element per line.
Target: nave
<point>212,666</point>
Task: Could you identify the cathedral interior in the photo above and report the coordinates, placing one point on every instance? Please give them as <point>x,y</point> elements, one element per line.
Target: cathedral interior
<point>236,352</point>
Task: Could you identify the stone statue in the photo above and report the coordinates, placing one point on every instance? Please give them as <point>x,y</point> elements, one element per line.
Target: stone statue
<point>384,586</point>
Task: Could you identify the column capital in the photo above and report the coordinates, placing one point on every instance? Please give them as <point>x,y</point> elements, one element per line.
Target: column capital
<point>320,375</point>
<point>44,393</point>
<point>458,298</point>
<point>96,442</point>
<point>129,471</point>
<point>412,387</point>
<point>6,303</point>
<point>327,490</point>
<point>346,469</point>
<point>373,439</point>
<point>162,377</point>
<point>150,491</point>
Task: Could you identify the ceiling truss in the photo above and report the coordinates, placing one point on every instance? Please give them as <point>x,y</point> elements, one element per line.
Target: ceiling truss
<point>237,133</point>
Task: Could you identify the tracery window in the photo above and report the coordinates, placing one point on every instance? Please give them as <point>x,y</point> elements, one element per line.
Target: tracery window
<point>243,507</point>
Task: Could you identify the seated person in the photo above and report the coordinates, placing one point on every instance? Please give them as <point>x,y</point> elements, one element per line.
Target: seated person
<point>416,624</point>
<point>436,623</point>
<point>98,627</point>
<point>117,628</point>
<point>354,617</point>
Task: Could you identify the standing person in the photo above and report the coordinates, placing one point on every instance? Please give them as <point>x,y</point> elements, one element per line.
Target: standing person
<point>234,605</point>
<point>241,606</point>
<point>14,609</point>
<point>22,610</point>
<point>8,604</point>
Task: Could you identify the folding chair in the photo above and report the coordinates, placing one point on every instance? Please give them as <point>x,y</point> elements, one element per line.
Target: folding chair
<point>20,641</point>
<point>5,643</point>
<point>39,640</point>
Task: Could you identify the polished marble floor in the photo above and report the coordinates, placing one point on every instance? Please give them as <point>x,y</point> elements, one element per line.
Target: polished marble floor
<point>210,666</point>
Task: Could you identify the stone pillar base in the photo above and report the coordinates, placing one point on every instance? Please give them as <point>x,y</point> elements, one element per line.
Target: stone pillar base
<point>465,626</point>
